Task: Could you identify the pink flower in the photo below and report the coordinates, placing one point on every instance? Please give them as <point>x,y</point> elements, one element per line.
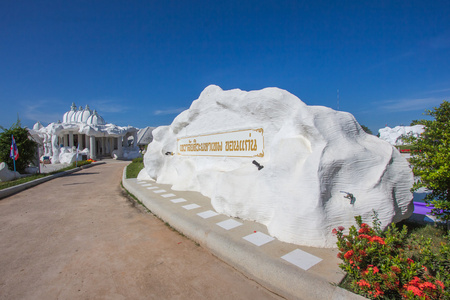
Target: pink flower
<point>415,290</point>
<point>364,230</point>
<point>364,236</point>
<point>348,254</point>
<point>396,269</point>
<point>334,231</point>
<point>440,284</point>
<point>378,239</point>
<point>363,283</point>
<point>427,285</point>
<point>341,228</point>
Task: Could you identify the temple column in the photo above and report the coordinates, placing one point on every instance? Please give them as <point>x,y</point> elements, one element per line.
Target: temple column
<point>111,145</point>
<point>92,147</point>
<point>119,147</point>
<point>66,140</point>
<point>70,139</point>
<point>80,141</point>
<point>135,139</point>
<point>86,141</point>
<point>102,142</point>
<point>107,146</point>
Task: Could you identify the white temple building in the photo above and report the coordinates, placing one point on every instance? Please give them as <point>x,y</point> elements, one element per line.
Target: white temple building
<point>87,131</point>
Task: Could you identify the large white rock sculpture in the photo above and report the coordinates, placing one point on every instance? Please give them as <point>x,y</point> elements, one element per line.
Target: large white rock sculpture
<point>310,155</point>
<point>6,174</point>
<point>394,135</point>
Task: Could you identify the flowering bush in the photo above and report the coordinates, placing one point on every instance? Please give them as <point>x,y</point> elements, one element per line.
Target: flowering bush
<point>381,265</point>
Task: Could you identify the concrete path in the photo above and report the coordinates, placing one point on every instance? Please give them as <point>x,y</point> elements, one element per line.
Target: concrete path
<point>292,271</point>
<point>77,237</point>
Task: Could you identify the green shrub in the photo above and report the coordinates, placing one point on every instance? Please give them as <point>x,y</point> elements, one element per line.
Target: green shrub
<point>138,160</point>
<point>25,145</point>
<point>134,168</point>
<point>430,159</point>
<point>382,265</point>
<point>81,163</point>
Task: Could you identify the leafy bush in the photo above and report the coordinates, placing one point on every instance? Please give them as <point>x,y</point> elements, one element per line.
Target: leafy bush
<point>25,145</point>
<point>382,265</point>
<point>430,158</point>
<point>135,167</point>
<point>138,160</point>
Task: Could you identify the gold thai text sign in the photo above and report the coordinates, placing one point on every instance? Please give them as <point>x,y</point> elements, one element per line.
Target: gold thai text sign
<point>241,143</point>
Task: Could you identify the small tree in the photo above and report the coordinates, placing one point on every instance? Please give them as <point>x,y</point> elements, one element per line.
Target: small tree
<point>366,129</point>
<point>430,158</point>
<point>25,145</point>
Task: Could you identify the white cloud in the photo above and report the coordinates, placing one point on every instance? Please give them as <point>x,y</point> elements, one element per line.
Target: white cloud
<point>107,106</point>
<point>45,111</point>
<point>439,91</point>
<point>172,111</point>
<point>402,105</point>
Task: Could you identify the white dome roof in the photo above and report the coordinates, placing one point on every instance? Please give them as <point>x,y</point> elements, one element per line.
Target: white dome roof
<point>84,115</point>
<point>95,119</point>
<point>74,117</point>
<point>68,115</point>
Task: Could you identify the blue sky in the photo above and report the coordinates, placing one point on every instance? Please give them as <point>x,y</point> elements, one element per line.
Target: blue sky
<point>140,63</point>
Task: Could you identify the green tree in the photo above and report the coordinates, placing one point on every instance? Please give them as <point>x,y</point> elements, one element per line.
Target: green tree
<point>417,122</point>
<point>430,158</point>
<point>366,129</point>
<point>26,146</point>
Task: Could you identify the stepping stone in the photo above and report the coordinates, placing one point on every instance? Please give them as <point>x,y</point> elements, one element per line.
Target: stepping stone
<point>159,191</point>
<point>152,188</point>
<point>258,238</point>
<point>178,200</point>
<point>229,224</point>
<point>191,206</point>
<point>301,259</point>
<point>207,214</point>
<point>168,195</point>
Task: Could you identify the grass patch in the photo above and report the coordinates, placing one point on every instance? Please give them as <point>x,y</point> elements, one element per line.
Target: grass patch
<point>135,167</point>
<point>7,184</point>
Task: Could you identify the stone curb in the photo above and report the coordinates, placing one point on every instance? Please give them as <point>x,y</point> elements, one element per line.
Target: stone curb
<point>21,187</point>
<point>266,270</point>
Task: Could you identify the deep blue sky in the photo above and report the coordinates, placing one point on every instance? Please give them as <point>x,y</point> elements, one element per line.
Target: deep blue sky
<point>141,62</point>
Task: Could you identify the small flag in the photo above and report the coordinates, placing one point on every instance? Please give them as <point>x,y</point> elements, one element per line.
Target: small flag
<point>76,160</point>
<point>14,154</point>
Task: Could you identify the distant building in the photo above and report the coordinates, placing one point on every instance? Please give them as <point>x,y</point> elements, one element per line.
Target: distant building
<point>86,130</point>
<point>144,137</point>
<point>394,135</point>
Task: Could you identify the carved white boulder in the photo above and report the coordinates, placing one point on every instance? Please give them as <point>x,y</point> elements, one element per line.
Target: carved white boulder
<point>268,157</point>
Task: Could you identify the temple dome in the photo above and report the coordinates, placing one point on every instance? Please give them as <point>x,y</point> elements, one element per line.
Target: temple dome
<point>68,115</point>
<point>74,117</point>
<point>84,115</point>
<point>95,119</point>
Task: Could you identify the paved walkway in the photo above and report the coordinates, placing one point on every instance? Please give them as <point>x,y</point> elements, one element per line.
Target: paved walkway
<point>293,271</point>
<point>76,237</point>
